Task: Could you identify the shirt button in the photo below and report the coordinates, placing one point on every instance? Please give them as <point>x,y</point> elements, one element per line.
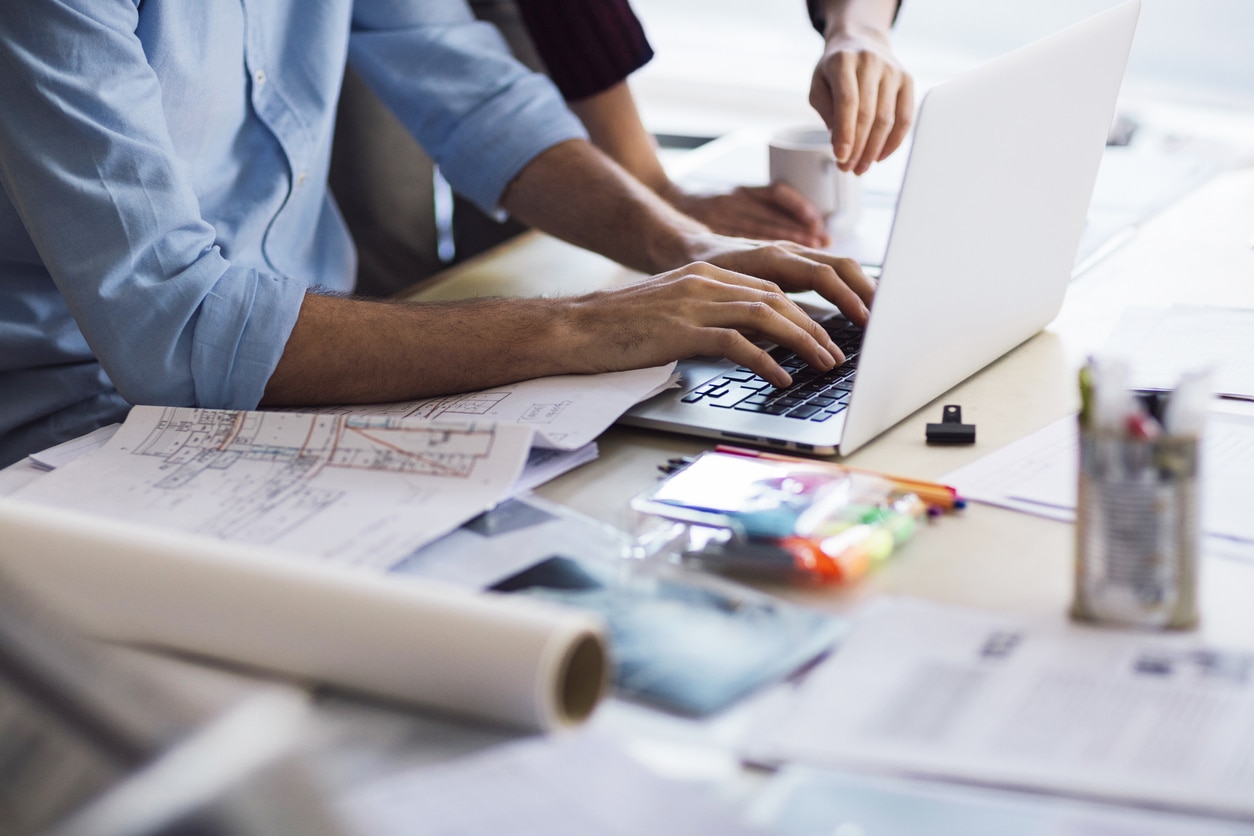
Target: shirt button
<point>301,177</point>
<point>259,77</point>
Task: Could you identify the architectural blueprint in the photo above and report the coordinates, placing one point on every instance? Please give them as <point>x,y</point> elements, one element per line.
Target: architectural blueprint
<point>566,411</point>
<point>358,490</point>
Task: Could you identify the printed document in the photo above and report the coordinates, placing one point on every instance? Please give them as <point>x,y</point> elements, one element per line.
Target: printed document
<point>995,699</point>
<point>1037,474</point>
<point>1163,343</point>
<point>566,411</point>
<point>355,490</point>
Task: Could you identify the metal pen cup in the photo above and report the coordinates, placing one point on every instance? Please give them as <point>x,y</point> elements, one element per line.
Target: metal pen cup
<point>1137,532</point>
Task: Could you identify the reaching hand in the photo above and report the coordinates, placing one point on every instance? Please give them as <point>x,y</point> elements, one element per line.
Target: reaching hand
<point>774,213</point>
<point>865,97</point>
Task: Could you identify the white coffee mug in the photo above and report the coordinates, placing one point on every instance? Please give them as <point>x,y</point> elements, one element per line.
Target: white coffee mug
<point>803,158</point>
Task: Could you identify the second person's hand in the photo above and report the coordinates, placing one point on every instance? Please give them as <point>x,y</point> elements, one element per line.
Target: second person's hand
<point>776,212</point>
<point>864,96</point>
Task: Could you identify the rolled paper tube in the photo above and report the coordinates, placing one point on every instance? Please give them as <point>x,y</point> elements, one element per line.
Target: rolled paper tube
<point>512,661</point>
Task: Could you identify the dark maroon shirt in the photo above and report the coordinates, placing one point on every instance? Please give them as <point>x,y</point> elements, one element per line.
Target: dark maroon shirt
<point>588,46</point>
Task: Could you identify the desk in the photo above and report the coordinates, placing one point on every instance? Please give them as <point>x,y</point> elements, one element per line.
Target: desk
<point>1198,251</point>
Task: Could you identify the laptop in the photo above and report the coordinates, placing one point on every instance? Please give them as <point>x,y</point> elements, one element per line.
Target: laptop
<point>983,241</point>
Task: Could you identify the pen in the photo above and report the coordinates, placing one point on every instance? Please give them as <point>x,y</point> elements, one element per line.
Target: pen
<point>932,493</point>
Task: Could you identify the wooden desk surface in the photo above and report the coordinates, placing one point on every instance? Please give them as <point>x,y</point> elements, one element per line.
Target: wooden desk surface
<point>1199,251</point>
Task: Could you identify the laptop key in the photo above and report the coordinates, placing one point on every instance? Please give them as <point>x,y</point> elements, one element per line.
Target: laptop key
<point>735,396</point>
<point>692,397</point>
<point>804,411</point>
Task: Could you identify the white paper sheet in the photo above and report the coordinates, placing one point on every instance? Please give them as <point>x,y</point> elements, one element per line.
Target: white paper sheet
<point>988,698</point>
<point>18,475</point>
<point>545,464</point>
<point>516,534</point>
<point>75,448</point>
<point>566,411</point>
<point>1163,343</point>
<point>354,490</point>
<point>508,660</point>
<point>568,785</point>
<point>1037,474</point>
<point>804,801</point>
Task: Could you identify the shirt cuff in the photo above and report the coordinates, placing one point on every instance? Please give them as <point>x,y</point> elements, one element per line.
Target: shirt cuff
<point>241,332</point>
<point>502,137</point>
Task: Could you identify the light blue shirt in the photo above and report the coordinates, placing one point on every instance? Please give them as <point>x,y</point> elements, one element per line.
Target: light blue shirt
<point>164,167</point>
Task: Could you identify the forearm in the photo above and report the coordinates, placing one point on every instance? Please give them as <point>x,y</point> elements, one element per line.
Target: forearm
<point>358,351</point>
<point>614,126</point>
<point>576,193</point>
<point>355,351</point>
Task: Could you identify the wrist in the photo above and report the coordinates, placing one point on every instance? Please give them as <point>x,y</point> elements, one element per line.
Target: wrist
<point>678,241</point>
<point>672,194</point>
<point>844,31</point>
<point>845,20</point>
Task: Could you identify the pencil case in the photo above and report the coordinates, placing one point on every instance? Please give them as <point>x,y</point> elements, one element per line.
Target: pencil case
<point>776,519</point>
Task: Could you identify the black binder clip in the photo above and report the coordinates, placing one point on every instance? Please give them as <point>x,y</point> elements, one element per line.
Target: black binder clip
<point>951,430</point>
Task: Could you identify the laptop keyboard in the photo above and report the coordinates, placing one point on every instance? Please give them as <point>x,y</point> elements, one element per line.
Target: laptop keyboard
<point>813,395</point>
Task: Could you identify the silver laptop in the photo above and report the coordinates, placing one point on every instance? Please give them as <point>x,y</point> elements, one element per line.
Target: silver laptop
<point>987,224</point>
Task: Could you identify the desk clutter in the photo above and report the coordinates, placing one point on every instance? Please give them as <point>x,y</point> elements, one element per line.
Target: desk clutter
<point>531,616</point>
<point>393,554</point>
<point>773,517</point>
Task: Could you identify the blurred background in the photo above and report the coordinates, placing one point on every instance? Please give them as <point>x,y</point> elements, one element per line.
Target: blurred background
<point>722,65</point>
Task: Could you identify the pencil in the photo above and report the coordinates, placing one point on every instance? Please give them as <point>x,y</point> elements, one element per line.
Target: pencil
<point>934,494</point>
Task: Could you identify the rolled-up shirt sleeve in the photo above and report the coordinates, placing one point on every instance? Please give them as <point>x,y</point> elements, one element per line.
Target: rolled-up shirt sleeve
<point>451,80</point>
<point>87,161</point>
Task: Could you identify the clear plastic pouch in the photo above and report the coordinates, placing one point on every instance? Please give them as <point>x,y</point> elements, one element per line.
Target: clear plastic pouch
<point>776,518</point>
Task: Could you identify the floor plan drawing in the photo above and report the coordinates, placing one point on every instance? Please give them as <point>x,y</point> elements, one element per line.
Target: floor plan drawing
<point>474,403</point>
<point>362,489</point>
<point>566,411</point>
<point>192,440</point>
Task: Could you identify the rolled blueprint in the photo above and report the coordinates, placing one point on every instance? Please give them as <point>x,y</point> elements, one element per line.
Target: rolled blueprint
<point>480,655</point>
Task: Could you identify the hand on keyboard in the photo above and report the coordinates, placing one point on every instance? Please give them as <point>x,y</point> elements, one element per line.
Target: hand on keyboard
<point>699,310</point>
<point>794,268</point>
<point>814,395</point>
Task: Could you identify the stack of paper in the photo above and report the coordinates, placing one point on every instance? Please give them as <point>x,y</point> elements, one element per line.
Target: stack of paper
<point>361,486</point>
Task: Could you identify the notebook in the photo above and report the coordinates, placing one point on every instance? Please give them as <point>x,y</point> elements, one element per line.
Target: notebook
<point>984,237</point>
